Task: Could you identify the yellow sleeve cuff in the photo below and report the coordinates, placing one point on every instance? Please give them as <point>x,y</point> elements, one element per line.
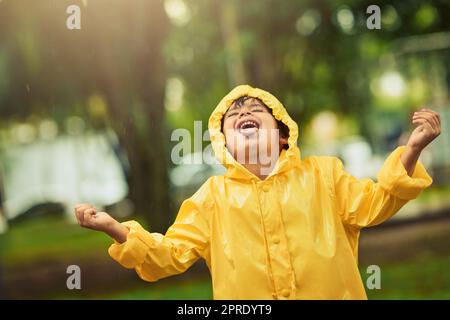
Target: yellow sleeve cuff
<point>132,252</point>
<point>395,180</point>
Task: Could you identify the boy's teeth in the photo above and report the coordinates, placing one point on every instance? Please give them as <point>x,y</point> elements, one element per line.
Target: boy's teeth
<point>248,123</point>
<point>248,128</point>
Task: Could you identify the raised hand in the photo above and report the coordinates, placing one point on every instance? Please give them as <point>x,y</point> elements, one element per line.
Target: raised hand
<point>429,127</point>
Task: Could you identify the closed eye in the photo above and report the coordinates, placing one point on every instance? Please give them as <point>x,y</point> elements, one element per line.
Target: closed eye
<point>232,114</point>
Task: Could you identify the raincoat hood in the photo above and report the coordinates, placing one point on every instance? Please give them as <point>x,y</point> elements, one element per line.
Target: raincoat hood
<point>287,159</point>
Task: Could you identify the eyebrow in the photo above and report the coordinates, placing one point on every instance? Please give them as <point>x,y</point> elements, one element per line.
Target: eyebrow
<point>235,106</point>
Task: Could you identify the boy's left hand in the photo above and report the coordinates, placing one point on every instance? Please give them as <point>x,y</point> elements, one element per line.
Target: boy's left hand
<point>429,128</point>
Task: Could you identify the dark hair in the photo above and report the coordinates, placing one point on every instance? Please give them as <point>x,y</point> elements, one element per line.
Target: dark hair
<point>284,130</point>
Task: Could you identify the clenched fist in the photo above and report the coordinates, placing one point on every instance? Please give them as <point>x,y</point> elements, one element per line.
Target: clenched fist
<point>88,217</point>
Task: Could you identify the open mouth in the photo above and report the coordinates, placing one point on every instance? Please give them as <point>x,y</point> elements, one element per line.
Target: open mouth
<point>247,127</point>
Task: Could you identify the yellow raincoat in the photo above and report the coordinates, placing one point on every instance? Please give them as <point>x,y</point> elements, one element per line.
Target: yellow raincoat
<point>293,235</point>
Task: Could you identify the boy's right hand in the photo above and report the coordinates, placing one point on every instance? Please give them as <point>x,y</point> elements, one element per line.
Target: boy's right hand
<point>88,217</point>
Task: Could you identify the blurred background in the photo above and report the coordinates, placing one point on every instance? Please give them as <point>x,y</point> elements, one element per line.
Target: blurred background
<point>87,115</point>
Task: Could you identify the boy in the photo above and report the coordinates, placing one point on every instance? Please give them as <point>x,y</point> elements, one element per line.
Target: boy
<point>289,231</point>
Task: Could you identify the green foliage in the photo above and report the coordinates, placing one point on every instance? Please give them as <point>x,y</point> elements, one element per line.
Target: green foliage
<point>302,52</point>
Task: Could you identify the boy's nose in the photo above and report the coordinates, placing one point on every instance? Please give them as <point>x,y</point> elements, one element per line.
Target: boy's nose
<point>244,112</point>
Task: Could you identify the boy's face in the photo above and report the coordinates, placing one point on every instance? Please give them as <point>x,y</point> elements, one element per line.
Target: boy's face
<point>250,129</point>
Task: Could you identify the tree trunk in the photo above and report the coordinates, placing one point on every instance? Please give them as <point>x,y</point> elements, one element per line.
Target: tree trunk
<point>226,11</point>
<point>135,98</point>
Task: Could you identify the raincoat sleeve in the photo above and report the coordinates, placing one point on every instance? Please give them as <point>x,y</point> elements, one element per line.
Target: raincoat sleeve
<point>155,256</point>
<point>364,203</point>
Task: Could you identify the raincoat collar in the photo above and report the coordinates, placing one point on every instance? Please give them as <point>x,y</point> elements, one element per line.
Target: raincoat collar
<point>288,158</point>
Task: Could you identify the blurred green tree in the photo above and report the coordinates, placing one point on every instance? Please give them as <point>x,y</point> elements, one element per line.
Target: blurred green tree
<point>313,55</point>
<point>111,72</point>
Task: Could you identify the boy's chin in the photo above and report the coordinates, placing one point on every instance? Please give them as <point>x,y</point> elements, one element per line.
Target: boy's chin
<point>253,148</point>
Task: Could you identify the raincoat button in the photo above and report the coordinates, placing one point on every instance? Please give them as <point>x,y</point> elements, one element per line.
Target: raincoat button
<point>286,293</point>
<point>276,240</point>
<point>265,188</point>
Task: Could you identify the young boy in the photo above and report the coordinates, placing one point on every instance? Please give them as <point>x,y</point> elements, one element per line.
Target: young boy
<point>284,229</point>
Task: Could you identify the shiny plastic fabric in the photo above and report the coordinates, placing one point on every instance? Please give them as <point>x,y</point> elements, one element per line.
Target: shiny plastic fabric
<point>293,235</point>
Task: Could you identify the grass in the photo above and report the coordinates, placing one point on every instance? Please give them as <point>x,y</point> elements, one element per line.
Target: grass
<point>189,290</point>
<point>425,277</point>
<point>48,237</point>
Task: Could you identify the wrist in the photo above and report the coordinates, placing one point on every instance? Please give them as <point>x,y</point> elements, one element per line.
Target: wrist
<point>118,232</point>
<point>409,158</point>
<point>413,149</point>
